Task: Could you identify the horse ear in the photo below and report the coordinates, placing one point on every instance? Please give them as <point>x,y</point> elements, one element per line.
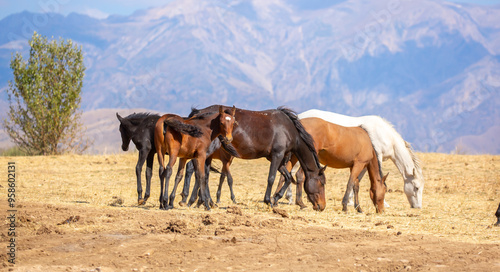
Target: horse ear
<point>322,170</point>
<point>233,112</point>
<point>221,111</point>
<point>119,117</point>
<point>385,177</point>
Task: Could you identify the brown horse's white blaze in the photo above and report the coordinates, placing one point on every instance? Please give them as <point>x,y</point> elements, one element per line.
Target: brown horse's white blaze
<point>227,123</point>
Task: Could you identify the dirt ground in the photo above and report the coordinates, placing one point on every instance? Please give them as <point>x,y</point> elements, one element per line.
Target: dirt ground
<point>79,213</point>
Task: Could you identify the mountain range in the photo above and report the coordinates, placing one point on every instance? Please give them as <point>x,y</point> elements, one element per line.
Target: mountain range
<point>431,68</point>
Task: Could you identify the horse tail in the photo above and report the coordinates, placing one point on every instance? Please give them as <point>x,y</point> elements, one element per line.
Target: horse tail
<point>375,152</point>
<point>304,135</point>
<point>182,127</point>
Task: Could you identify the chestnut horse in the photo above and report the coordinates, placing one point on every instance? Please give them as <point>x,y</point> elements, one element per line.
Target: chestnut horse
<point>345,147</point>
<point>275,135</point>
<point>201,130</point>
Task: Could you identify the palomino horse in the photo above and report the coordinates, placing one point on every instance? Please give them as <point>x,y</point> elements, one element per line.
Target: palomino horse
<point>345,147</point>
<point>275,134</point>
<point>139,127</point>
<point>388,144</point>
<point>189,139</point>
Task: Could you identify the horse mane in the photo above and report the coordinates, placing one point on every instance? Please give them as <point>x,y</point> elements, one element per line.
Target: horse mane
<point>416,160</point>
<point>306,137</point>
<point>201,116</point>
<point>136,118</point>
<point>193,112</point>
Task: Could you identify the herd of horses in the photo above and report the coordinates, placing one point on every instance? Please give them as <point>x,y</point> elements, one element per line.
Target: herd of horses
<point>303,141</point>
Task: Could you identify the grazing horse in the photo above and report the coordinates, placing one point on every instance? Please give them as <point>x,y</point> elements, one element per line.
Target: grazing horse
<point>139,127</point>
<point>275,135</point>
<point>345,147</point>
<point>199,132</point>
<point>388,144</point>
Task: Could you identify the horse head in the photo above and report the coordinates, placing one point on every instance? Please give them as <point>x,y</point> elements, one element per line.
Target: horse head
<point>414,187</point>
<point>226,125</point>
<point>124,131</point>
<point>315,189</point>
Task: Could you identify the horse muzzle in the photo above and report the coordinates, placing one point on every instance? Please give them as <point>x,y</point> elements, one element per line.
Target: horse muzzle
<point>227,139</point>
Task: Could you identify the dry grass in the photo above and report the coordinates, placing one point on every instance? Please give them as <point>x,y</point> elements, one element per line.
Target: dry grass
<point>460,197</point>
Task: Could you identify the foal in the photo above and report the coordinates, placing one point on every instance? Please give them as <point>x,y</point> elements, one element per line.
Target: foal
<point>168,139</point>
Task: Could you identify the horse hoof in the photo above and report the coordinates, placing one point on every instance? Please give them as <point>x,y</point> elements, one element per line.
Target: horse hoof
<point>302,207</point>
<point>182,204</point>
<point>141,202</point>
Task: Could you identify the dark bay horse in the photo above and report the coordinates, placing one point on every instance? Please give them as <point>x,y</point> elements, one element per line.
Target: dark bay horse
<point>346,147</point>
<point>201,130</point>
<point>139,128</point>
<point>275,135</point>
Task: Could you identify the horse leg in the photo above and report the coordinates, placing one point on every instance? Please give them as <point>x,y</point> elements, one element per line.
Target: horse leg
<point>219,188</point>
<point>300,182</point>
<point>196,187</point>
<point>351,194</point>
<point>143,154</point>
<point>167,174</point>
<point>288,178</point>
<point>187,181</point>
<point>200,175</point>
<point>355,170</point>
<point>161,170</point>
<point>275,163</point>
<point>230,183</point>
<point>208,163</point>
<point>149,174</point>
<point>178,177</point>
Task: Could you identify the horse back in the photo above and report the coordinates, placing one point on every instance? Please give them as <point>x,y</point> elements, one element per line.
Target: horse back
<point>339,146</point>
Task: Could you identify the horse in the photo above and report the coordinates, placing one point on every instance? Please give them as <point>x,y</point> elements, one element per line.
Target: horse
<point>139,128</point>
<point>388,144</point>
<point>276,134</point>
<point>345,147</point>
<point>189,139</point>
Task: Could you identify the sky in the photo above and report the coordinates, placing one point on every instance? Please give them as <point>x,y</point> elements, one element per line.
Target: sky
<point>102,8</point>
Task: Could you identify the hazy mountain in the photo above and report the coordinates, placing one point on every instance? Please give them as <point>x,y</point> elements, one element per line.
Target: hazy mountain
<point>432,68</point>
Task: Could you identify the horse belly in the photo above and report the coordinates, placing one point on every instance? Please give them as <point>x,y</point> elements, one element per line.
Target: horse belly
<point>333,160</point>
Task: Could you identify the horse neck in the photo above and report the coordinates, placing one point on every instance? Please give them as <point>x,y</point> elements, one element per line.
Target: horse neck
<point>306,159</point>
<point>374,170</point>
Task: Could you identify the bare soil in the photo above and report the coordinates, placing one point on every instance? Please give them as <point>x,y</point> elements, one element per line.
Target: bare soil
<point>79,213</point>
